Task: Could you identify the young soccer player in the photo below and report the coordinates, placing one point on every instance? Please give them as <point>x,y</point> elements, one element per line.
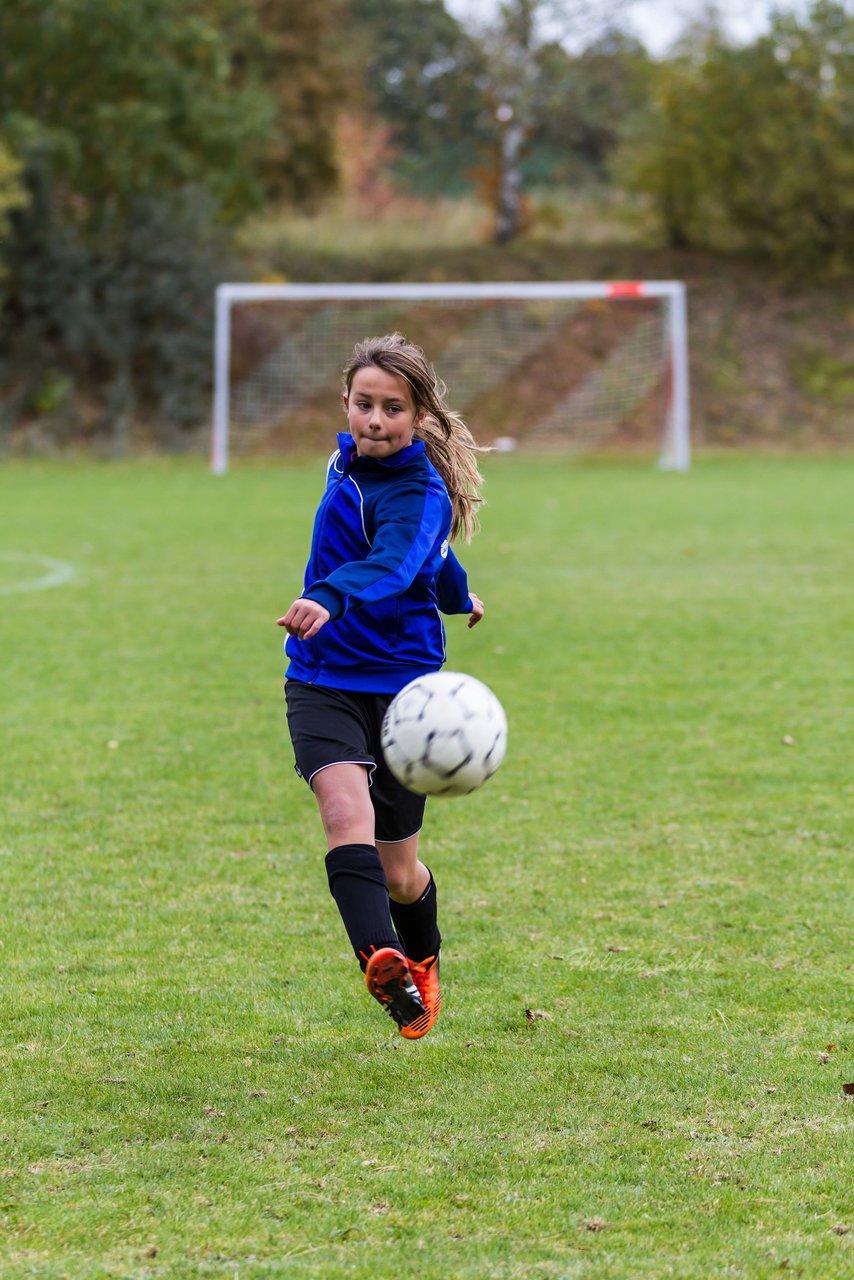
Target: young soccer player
<point>403,482</point>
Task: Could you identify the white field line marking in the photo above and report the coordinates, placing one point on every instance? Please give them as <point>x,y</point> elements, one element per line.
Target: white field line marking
<point>53,572</point>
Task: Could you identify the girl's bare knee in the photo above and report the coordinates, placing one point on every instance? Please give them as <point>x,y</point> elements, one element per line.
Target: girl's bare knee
<point>406,883</point>
<point>345,806</point>
<point>399,886</point>
<point>346,820</point>
<point>340,820</point>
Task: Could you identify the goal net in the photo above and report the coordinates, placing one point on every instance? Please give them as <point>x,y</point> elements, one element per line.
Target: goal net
<point>563,366</point>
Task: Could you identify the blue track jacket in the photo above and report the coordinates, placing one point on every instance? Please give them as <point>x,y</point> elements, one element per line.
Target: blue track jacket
<point>381,564</point>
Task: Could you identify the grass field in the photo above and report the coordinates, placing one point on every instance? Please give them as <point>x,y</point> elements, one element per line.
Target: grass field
<point>647,913</point>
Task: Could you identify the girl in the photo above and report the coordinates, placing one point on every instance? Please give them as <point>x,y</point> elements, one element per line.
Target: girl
<point>403,482</point>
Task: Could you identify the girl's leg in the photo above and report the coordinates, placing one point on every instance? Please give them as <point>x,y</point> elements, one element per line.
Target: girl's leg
<point>344,800</point>
<point>413,911</point>
<point>412,890</point>
<point>407,877</point>
<point>357,880</point>
<point>326,723</point>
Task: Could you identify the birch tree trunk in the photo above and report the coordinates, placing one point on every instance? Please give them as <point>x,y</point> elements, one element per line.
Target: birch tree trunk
<point>514,61</point>
<point>508,221</point>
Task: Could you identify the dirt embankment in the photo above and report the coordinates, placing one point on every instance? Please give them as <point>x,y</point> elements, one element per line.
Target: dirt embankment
<point>771,354</point>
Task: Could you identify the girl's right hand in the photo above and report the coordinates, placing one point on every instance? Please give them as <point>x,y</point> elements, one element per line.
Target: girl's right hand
<point>304,618</point>
<point>476,610</point>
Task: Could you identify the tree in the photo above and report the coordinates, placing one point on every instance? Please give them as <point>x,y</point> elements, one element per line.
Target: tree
<point>136,132</point>
<point>515,54</point>
<point>585,102</point>
<point>120,100</point>
<point>423,74</point>
<point>12,193</point>
<point>785,174</point>
<point>299,57</point>
<point>665,154</point>
<point>752,146</point>
<point>140,130</point>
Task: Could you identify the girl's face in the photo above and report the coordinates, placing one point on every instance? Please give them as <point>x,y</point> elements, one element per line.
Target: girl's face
<point>381,412</point>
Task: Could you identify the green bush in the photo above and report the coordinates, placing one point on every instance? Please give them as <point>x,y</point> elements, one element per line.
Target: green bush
<point>751,147</point>
<point>138,131</point>
<point>126,312</point>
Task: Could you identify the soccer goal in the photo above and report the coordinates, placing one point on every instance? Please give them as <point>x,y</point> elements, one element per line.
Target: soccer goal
<point>570,366</point>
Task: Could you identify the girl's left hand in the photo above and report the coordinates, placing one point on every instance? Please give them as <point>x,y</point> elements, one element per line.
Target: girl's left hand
<point>304,618</point>
<point>476,609</point>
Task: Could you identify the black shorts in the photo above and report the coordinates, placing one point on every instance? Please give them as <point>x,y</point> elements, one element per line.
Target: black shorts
<point>338,726</point>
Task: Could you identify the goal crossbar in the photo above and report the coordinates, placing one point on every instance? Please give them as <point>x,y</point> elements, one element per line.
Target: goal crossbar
<point>676,449</point>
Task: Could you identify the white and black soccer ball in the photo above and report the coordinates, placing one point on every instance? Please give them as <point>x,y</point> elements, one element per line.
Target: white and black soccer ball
<point>444,734</point>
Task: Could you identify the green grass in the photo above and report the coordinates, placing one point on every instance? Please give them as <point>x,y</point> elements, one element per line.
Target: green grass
<point>369,231</point>
<point>647,912</point>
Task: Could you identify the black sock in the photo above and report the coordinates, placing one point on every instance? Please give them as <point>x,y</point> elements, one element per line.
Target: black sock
<point>358,884</point>
<point>416,923</point>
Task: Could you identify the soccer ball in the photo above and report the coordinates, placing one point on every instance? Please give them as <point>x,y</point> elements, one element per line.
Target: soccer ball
<point>444,734</point>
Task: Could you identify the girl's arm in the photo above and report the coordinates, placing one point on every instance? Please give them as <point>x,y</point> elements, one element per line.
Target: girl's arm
<point>453,591</point>
<point>408,523</point>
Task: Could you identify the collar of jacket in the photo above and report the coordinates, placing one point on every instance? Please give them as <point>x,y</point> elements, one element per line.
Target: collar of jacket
<point>349,457</point>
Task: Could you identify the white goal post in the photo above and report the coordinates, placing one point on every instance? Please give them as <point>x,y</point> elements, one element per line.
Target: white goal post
<point>505,329</point>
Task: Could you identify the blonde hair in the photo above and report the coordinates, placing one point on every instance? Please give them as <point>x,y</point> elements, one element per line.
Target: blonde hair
<point>450,445</point>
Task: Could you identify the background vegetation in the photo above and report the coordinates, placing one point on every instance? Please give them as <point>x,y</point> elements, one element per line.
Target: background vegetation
<point>148,151</point>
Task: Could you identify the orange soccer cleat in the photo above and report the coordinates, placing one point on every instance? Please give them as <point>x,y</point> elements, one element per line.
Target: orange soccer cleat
<point>390,981</point>
<point>425,975</point>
